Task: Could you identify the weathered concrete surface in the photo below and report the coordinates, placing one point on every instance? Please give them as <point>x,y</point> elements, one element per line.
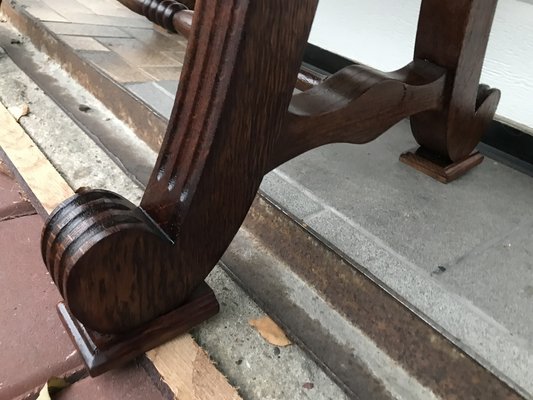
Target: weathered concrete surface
<point>444,248</point>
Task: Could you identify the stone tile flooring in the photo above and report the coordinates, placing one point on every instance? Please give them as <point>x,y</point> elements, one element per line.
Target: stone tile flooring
<point>120,43</point>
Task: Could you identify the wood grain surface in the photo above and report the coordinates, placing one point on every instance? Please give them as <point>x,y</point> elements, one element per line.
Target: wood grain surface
<point>183,365</point>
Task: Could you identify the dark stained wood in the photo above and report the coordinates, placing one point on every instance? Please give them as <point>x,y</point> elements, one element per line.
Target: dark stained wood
<point>120,267</point>
<point>177,17</point>
<point>454,35</point>
<point>356,105</point>
<point>440,168</point>
<point>451,34</point>
<point>101,353</point>
<point>170,14</point>
<point>160,12</point>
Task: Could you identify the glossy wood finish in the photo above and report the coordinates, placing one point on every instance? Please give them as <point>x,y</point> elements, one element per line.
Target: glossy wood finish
<point>440,168</point>
<point>170,14</point>
<point>120,267</point>
<point>454,35</point>
<point>101,353</point>
<point>356,105</point>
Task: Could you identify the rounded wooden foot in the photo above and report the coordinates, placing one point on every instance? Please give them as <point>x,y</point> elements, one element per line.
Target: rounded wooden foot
<point>113,265</point>
<point>101,353</point>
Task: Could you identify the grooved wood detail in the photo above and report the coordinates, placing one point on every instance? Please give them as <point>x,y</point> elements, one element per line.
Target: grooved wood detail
<point>121,267</point>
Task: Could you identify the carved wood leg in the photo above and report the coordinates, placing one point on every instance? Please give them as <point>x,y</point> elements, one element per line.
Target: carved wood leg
<point>128,274</point>
<point>454,34</point>
<point>132,277</point>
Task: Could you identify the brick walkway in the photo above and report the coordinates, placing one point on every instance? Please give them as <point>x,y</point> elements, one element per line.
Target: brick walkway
<point>146,62</point>
<point>35,347</point>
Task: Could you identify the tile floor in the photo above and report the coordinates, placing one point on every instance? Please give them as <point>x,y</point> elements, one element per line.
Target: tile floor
<point>120,43</point>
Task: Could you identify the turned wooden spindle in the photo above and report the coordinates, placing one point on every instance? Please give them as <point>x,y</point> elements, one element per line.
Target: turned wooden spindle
<point>133,277</point>
<point>452,35</point>
<point>170,14</point>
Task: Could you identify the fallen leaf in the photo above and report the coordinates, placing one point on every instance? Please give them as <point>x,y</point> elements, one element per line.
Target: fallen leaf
<point>308,385</point>
<point>44,394</point>
<point>52,386</point>
<point>19,111</point>
<point>271,332</point>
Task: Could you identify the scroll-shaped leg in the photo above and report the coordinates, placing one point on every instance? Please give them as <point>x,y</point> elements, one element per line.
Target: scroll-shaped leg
<point>454,34</point>
<point>121,267</point>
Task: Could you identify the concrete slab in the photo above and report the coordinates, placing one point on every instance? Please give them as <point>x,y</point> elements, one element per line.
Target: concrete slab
<point>261,370</point>
<point>499,280</point>
<point>429,223</point>
<point>70,150</point>
<point>406,228</point>
<point>301,206</point>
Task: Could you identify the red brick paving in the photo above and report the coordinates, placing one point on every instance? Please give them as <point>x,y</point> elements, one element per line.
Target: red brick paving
<point>128,383</point>
<point>33,343</point>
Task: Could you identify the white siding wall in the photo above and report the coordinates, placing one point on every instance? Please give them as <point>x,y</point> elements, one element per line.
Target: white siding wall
<point>381,33</point>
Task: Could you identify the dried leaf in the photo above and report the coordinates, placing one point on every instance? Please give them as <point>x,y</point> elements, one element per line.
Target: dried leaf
<point>52,386</point>
<point>19,111</point>
<point>271,332</point>
<point>44,394</point>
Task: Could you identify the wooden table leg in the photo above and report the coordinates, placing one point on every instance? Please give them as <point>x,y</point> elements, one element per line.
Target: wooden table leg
<point>454,34</point>
<point>129,274</point>
<point>123,269</point>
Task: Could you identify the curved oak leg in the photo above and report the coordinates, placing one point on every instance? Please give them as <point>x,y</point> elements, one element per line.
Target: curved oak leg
<point>132,277</point>
<point>119,267</point>
<point>454,34</point>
